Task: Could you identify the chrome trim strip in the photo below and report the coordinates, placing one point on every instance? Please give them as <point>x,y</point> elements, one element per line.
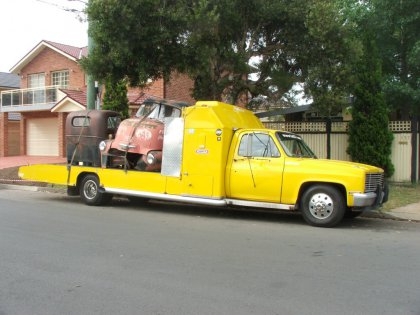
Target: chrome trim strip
<point>167,197</point>
<point>258,204</point>
<point>199,200</point>
<point>364,200</point>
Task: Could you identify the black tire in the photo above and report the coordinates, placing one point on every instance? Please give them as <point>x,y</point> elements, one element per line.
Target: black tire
<point>322,206</point>
<point>90,191</point>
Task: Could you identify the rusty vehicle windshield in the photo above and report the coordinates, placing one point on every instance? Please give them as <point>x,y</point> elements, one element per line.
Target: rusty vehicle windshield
<point>158,111</point>
<point>294,146</point>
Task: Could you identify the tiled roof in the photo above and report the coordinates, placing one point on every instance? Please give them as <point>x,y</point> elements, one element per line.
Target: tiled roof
<point>9,80</point>
<point>73,51</point>
<point>137,97</point>
<point>77,96</point>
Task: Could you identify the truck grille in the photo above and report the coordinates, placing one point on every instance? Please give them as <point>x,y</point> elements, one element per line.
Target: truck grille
<point>373,180</point>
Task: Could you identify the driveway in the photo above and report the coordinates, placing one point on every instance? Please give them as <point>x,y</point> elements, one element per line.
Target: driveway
<point>12,161</point>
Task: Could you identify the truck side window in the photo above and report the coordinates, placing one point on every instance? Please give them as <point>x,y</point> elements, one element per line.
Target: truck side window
<point>113,122</point>
<point>81,121</point>
<point>258,145</point>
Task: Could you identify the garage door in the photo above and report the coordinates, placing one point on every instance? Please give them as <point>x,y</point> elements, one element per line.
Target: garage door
<point>42,136</point>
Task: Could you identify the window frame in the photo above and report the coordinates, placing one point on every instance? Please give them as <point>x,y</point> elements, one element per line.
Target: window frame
<point>62,77</point>
<point>248,141</point>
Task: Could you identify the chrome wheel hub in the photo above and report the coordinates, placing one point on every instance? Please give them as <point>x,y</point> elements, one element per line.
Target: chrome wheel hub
<point>321,206</point>
<point>91,190</point>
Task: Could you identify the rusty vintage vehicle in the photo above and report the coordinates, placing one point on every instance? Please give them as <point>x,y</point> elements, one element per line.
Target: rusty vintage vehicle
<point>139,140</point>
<point>84,131</point>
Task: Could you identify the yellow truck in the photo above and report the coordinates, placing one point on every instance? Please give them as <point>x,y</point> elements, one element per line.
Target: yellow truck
<point>221,155</point>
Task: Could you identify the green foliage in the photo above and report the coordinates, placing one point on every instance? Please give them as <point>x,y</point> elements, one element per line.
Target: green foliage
<point>229,48</point>
<point>397,25</point>
<point>370,139</point>
<point>115,97</point>
<point>335,50</point>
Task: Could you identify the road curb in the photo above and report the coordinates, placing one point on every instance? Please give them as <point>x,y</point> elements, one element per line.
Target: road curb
<point>377,214</point>
<point>52,189</point>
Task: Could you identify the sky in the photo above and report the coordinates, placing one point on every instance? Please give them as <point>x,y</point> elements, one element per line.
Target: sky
<point>24,23</point>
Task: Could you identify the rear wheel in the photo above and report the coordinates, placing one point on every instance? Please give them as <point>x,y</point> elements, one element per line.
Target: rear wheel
<point>322,205</point>
<point>90,191</point>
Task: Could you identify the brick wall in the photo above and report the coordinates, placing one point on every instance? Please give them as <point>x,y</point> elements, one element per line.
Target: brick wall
<point>156,88</point>
<point>4,122</point>
<point>61,134</point>
<point>14,138</point>
<point>49,60</point>
<point>179,88</point>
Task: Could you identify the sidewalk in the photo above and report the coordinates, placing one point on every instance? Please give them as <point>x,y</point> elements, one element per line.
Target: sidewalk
<point>12,161</point>
<point>407,213</point>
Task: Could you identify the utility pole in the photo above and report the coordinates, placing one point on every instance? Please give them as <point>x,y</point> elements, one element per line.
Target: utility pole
<point>91,91</point>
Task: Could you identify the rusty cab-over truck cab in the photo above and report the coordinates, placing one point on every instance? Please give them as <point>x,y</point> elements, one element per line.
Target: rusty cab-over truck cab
<point>219,154</point>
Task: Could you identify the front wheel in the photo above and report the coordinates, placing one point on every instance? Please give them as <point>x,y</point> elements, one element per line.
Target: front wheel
<point>90,191</point>
<point>322,205</point>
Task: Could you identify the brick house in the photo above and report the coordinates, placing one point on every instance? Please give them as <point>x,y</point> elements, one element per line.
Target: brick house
<point>52,84</point>
<point>10,81</point>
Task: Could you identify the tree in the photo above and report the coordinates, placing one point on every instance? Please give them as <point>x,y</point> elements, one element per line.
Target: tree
<point>337,48</point>
<point>230,48</point>
<point>397,25</point>
<point>370,139</point>
<point>115,97</point>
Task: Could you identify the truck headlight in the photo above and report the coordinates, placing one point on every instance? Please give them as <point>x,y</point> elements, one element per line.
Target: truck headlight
<point>102,145</point>
<point>150,158</point>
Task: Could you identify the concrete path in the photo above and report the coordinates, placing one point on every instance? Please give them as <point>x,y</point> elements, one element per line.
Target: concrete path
<point>12,161</point>
<point>410,212</point>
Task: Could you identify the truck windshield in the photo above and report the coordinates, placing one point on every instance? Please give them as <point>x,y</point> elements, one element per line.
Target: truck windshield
<point>158,111</point>
<point>294,146</point>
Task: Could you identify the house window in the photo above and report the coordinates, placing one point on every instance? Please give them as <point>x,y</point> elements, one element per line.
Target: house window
<point>36,96</point>
<point>36,80</point>
<point>60,78</point>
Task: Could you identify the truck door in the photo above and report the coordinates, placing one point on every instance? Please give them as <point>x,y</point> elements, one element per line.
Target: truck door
<point>256,171</point>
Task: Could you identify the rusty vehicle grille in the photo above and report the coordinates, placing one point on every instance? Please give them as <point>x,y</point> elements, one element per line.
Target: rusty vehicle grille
<point>373,180</point>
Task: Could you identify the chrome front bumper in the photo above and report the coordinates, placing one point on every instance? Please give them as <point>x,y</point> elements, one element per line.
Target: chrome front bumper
<point>372,199</point>
<point>364,200</point>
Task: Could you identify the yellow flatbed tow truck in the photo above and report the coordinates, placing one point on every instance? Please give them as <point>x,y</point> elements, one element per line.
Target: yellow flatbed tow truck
<point>216,154</point>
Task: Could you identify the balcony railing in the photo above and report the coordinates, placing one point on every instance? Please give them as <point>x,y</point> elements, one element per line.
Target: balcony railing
<point>29,99</point>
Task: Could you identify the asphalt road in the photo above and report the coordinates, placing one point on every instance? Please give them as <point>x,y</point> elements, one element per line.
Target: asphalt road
<point>58,256</point>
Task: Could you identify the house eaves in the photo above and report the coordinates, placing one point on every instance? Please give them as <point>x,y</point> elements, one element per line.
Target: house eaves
<point>70,52</point>
<point>73,100</point>
<point>284,111</point>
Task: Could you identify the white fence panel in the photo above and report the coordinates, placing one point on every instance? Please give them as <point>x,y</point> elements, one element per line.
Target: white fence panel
<point>339,143</point>
<point>401,157</point>
<point>316,141</point>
